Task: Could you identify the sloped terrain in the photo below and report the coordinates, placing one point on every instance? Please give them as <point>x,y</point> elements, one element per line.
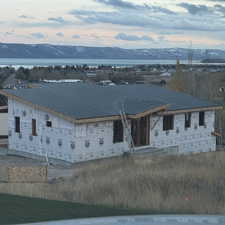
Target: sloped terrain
<point>84,52</point>
<point>166,184</point>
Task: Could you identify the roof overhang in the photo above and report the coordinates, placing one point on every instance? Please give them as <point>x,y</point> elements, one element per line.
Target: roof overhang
<point>118,117</point>
<point>171,112</point>
<point>39,107</point>
<point>84,120</point>
<point>160,110</point>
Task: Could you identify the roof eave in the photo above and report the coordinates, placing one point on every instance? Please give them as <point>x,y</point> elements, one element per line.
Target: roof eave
<point>42,108</point>
<point>118,117</point>
<point>83,120</point>
<point>148,112</point>
<point>209,108</point>
<point>161,110</point>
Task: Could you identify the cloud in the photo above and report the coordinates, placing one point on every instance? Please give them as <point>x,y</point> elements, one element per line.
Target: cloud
<point>171,32</point>
<point>39,24</point>
<point>26,17</point>
<point>216,0</point>
<point>75,36</point>
<point>121,4</point>
<point>220,8</point>
<point>9,33</point>
<point>215,10</point>
<point>127,37</point>
<point>118,3</point>
<point>54,22</point>
<point>195,9</point>
<point>57,20</point>
<point>118,18</point>
<point>150,21</point>
<point>162,39</point>
<point>95,36</point>
<point>60,34</point>
<point>38,35</point>
<point>127,20</point>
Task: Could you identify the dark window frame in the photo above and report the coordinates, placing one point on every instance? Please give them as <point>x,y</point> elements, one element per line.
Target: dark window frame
<point>34,127</point>
<point>17,124</point>
<point>118,135</point>
<point>168,122</point>
<point>187,122</point>
<point>202,118</point>
<point>48,123</point>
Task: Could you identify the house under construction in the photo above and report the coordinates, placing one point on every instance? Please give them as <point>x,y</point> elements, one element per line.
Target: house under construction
<point>80,122</point>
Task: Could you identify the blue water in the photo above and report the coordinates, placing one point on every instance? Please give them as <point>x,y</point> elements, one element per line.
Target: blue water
<point>14,62</point>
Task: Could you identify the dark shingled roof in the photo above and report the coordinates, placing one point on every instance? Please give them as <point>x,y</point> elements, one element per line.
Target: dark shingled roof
<point>82,101</point>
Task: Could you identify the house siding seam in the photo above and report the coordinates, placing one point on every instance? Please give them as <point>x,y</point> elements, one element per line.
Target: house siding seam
<point>87,138</point>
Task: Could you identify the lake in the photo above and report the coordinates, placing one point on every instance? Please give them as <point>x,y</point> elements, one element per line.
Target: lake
<point>29,63</point>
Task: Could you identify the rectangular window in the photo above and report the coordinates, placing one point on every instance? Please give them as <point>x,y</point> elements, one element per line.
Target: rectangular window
<point>34,127</point>
<point>168,122</point>
<point>117,131</point>
<point>17,124</point>
<point>201,118</point>
<point>187,120</point>
<point>49,123</point>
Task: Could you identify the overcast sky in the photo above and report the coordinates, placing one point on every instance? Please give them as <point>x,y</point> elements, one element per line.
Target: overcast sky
<point>121,23</point>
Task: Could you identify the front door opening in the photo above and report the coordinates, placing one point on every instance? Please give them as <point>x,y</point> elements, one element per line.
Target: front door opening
<point>140,131</point>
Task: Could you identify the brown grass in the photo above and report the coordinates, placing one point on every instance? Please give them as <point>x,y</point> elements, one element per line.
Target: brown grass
<point>183,184</point>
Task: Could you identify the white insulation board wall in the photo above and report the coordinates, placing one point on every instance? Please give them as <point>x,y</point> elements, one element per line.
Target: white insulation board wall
<point>194,139</point>
<point>3,124</point>
<point>79,142</point>
<point>95,140</point>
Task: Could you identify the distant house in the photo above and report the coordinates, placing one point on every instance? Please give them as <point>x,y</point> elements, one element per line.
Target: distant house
<point>63,81</point>
<point>3,117</point>
<point>79,122</point>
<point>91,74</point>
<point>106,83</point>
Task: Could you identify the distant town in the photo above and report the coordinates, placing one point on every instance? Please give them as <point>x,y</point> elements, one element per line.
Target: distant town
<point>159,74</point>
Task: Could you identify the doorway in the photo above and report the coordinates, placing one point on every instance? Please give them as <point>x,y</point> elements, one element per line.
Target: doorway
<point>140,131</point>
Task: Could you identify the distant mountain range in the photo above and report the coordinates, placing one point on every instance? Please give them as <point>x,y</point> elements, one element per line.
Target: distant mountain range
<point>63,51</point>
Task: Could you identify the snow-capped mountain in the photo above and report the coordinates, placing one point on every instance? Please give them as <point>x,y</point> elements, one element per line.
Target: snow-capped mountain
<point>63,51</point>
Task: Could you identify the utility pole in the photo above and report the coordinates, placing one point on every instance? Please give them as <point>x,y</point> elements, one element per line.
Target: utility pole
<point>190,54</point>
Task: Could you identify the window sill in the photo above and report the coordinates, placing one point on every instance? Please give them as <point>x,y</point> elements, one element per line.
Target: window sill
<point>119,142</point>
<point>168,130</point>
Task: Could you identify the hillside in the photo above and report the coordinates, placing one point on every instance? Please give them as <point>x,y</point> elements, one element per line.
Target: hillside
<point>60,51</point>
<point>178,184</point>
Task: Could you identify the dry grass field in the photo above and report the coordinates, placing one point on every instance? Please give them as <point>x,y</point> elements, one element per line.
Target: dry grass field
<point>179,184</point>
